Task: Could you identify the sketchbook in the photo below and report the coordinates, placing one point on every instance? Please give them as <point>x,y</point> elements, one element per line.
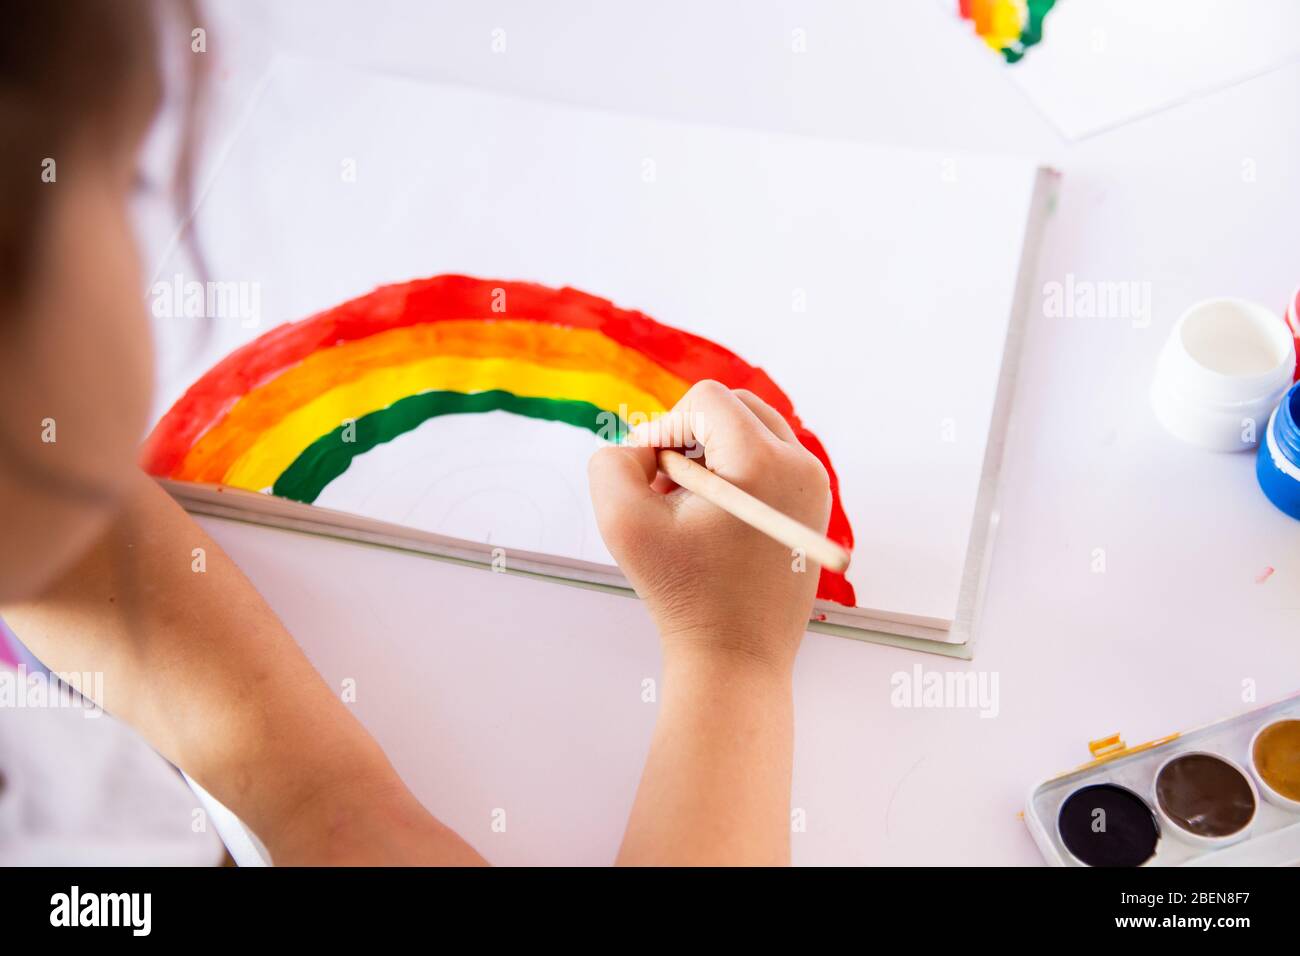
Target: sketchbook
<point>425,306</point>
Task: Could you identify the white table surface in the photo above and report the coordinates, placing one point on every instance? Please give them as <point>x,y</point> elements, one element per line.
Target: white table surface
<point>492,692</point>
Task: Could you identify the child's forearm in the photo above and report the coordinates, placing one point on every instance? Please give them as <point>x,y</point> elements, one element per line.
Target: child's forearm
<point>716,787</point>
<point>732,605</point>
<point>194,659</point>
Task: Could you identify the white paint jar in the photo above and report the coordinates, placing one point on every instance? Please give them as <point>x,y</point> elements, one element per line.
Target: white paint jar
<point>1223,370</point>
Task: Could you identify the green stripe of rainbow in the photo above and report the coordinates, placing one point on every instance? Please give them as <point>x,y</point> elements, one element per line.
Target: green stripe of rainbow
<point>330,455</point>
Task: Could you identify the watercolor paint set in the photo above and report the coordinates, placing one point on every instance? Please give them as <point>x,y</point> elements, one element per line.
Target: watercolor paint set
<point>1227,794</point>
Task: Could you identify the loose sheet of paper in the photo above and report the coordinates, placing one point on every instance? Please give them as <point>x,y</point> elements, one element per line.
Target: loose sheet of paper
<point>1105,62</point>
<point>873,285</point>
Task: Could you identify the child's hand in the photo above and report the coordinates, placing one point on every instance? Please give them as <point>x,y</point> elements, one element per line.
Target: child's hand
<point>713,583</point>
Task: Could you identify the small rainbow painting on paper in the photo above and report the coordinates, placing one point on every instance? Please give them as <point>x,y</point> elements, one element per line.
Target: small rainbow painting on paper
<point>1009,26</point>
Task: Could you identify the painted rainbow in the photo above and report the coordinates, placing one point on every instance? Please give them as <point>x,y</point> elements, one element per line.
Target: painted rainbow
<point>288,412</point>
<point>1009,26</point>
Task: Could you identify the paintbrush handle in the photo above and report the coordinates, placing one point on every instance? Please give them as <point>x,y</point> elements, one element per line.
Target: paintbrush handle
<point>718,491</point>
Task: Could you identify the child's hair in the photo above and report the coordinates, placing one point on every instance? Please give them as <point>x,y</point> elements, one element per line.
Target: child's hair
<point>75,73</point>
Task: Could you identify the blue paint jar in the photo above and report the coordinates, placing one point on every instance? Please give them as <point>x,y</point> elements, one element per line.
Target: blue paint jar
<point>1278,463</point>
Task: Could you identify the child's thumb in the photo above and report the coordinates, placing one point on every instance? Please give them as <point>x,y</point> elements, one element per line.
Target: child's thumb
<point>627,505</point>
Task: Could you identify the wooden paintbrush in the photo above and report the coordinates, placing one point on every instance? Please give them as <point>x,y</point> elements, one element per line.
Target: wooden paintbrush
<point>717,490</point>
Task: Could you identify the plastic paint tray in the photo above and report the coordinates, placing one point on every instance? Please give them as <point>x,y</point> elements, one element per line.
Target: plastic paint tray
<point>1274,833</point>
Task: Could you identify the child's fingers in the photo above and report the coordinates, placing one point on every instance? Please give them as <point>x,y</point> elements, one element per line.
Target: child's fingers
<point>708,411</point>
<point>623,469</point>
<point>668,430</point>
<point>623,493</point>
<point>768,415</point>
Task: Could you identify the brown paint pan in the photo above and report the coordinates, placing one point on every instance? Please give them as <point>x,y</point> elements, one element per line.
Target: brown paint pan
<point>1205,798</point>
